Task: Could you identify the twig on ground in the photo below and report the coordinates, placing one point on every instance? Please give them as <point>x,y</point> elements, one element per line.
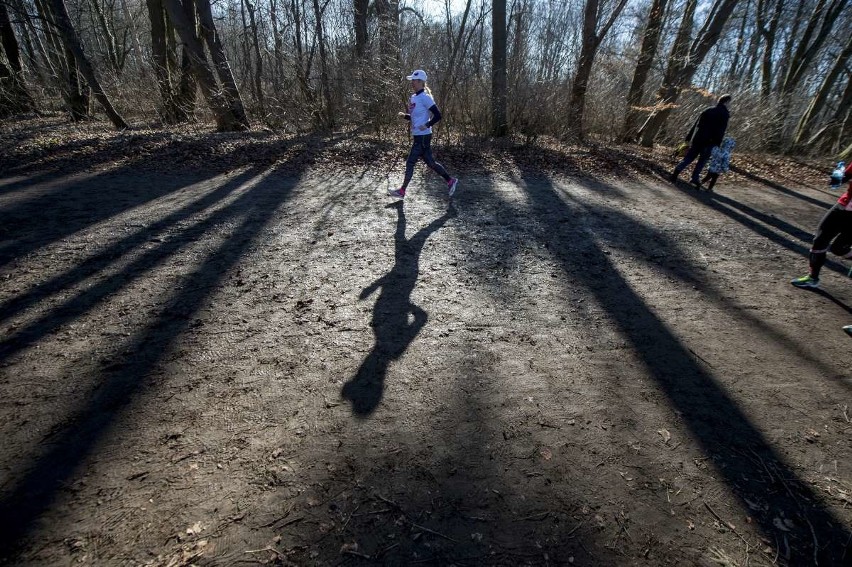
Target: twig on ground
<point>539,516</point>
<point>391,502</point>
<point>346,523</point>
<point>267,548</point>
<point>375,512</point>
<point>728,525</point>
<point>763,464</point>
<point>816,543</point>
<point>574,529</point>
<point>731,527</point>
<point>699,357</point>
<point>623,527</point>
<point>278,519</point>
<point>433,532</point>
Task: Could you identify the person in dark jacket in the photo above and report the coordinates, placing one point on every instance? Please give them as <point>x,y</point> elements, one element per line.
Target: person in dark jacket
<point>707,132</point>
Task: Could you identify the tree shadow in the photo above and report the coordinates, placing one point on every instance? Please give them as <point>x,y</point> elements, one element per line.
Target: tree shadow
<point>68,208</point>
<point>30,495</point>
<point>396,320</point>
<point>118,249</point>
<point>739,450</point>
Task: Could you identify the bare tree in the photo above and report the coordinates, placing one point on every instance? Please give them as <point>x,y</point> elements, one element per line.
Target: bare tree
<point>499,80</point>
<point>257,80</point>
<point>72,43</point>
<point>684,62</point>
<point>174,79</point>
<point>650,41</point>
<point>768,27</point>
<point>328,112</point>
<point>819,99</point>
<point>823,18</point>
<point>220,62</point>
<point>359,8</point>
<point>14,97</point>
<point>223,112</point>
<point>592,38</point>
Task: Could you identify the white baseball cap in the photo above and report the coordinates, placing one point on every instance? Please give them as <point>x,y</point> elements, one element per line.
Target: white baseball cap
<point>419,74</point>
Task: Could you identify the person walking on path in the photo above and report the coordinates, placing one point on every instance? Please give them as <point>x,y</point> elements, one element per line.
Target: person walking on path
<point>708,131</point>
<point>834,234</point>
<point>423,113</point>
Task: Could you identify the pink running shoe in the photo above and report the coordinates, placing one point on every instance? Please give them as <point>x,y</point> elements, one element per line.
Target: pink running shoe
<point>397,193</point>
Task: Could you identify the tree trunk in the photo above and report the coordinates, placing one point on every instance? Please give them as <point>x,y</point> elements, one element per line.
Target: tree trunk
<point>650,41</point>
<point>681,68</point>
<point>592,38</point>
<point>828,140</point>
<point>187,83</point>
<point>14,98</point>
<point>360,8</point>
<point>328,113</point>
<point>226,121</point>
<point>807,49</point>
<point>72,42</point>
<point>384,86</point>
<point>820,23</point>
<point>818,101</point>
<point>160,58</point>
<point>61,63</point>
<point>108,35</point>
<point>768,31</point>
<point>735,77</point>
<point>499,80</point>
<point>258,64</point>
<point>220,62</point>
<point>174,79</point>
<point>35,46</point>
<point>456,41</point>
<point>791,40</point>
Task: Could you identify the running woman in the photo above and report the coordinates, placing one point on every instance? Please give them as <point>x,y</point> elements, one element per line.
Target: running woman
<point>833,234</point>
<point>423,113</point>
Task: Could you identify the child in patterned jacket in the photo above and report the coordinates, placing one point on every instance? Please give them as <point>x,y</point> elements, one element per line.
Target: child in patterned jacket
<point>720,162</point>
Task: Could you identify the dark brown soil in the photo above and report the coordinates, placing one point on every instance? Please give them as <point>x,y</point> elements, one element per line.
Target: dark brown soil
<point>225,350</point>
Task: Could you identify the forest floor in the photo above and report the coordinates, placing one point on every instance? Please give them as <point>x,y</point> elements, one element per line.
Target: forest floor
<point>235,349</point>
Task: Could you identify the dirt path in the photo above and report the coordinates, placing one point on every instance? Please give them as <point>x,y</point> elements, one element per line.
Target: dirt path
<point>260,367</point>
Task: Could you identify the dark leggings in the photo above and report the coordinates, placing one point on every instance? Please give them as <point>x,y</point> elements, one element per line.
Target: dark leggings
<point>422,148</point>
<point>834,234</point>
<point>703,155</point>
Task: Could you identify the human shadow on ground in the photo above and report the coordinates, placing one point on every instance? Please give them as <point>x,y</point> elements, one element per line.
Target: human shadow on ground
<point>777,186</point>
<point>752,219</point>
<point>651,167</point>
<point>396,320</point>
<point>830,297</point>
<point>740,452</point>
<point>26,498</point>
